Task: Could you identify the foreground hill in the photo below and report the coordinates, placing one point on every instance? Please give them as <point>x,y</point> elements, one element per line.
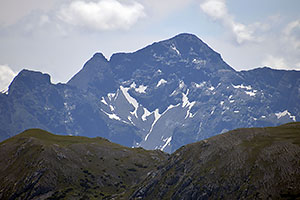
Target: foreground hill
<point>256,163</point>
<point>39,165</point>
<point>163,96</point>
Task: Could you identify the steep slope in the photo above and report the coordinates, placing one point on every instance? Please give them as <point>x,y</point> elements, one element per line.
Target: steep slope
<point>163,96</point>
<point>256,163</point>
<point>38,165</point>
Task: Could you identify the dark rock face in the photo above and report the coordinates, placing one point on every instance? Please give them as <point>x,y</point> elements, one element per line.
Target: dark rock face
<point>163,96</point>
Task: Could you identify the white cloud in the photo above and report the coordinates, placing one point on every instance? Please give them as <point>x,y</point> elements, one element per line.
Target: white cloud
<point>102,15</point>
<point>284,51</point>
<point>292,34</point>
<point>44,19</point>
<point>217,10</point>
<point>159,9</point>
<point>6,76</point>
<point>11,11</point>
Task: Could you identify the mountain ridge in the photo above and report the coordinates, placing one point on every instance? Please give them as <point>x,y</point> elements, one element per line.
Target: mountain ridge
<point>163,96</point>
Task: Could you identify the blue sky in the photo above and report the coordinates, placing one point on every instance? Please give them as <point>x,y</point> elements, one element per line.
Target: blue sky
<point>59,36</point>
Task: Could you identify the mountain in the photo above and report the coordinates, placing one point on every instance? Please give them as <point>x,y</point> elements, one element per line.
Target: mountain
<point>163,96</point>
<point>39,165</point>
<point>33,102</point>
<point>254,163</point>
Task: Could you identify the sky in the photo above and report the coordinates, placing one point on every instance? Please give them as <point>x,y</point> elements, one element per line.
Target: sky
<point>58,36</point>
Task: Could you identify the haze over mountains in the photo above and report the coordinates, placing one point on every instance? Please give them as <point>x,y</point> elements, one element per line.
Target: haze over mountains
<point>163,96</point>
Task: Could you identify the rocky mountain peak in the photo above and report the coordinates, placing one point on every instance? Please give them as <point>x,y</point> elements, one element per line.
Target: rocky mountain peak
<point>95,72</point>
<point>100,57</point>
<point>189,45</point>
<point>28,79</point>
<point>186,43</point>
<point>184,55</point>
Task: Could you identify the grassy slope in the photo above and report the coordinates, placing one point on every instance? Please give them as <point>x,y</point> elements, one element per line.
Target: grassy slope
<point>36,163</point>
<point>256,163</point>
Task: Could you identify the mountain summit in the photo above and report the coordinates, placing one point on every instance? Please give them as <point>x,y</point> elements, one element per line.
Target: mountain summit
<point>163,96</point>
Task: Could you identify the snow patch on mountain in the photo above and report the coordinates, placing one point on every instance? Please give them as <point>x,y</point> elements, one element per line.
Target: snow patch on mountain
<point>167,142</point>
<point>211,88</point>
<point>103,101</point>
<point>130,99</point>
<point>112,116</point>
<point>242,87</point>
<point>173,47</point>
<point>141,89</point>
<point>173,93</point>
<point>213,110</point>
<point>161,82</point>
<point>197,61</point>
<point>111,96</point>
<point>200,85</point>
<point>285,113</point>
<point>146,114</point>
<point>251,93</point>
<point>156,118</point>
<point>133,85</point>
<point>181,84</point>
<point>187,104</point>
<point>112,108</point>
<point>170,107</point>
<point>130,119</point>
